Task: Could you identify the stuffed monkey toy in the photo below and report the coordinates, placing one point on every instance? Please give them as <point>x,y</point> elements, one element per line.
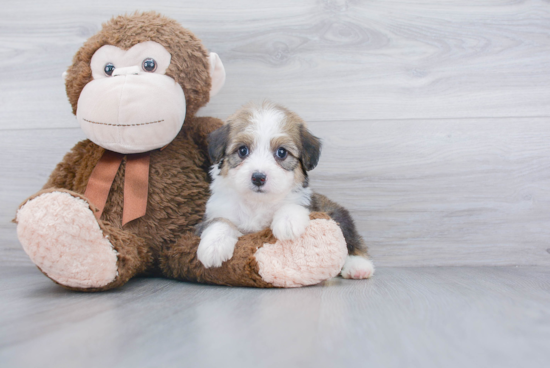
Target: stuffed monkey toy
<point>126,201</point>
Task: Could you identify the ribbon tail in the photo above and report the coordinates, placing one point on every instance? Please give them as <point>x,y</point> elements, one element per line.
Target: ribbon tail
<point>136,186</point>
<point>101,180</point>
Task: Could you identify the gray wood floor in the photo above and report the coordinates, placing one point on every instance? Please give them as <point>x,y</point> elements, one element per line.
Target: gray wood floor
<point>435,117</point>
<point>404,317</point>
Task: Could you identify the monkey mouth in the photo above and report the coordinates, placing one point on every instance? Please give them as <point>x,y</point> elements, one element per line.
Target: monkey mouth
<point>123,125</point>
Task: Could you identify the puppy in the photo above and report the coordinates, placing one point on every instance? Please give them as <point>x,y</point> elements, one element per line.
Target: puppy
<point>261,158</point>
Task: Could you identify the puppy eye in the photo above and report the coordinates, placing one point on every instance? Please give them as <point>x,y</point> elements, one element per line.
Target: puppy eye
<point>281,153</point>
<point>149,65</point>
<point>243,151</point>
<point>109,69</point>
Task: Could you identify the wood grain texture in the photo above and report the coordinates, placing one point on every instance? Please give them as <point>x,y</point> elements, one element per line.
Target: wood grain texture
<point>435,115</point>
<point>423,193</point>
<point>330,60</point>
<point>403,317</point>
<point>443,192</point>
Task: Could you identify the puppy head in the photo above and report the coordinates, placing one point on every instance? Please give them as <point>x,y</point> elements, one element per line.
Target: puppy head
<point>263,151</point>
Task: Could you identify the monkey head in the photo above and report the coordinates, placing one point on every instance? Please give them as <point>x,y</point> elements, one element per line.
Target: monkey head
<point>134,83</point>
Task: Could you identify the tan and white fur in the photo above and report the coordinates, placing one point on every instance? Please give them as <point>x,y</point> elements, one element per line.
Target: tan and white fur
<point>261,158</point>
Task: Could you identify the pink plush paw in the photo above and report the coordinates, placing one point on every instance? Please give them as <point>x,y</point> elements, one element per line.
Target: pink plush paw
<point>62,237</point>
<point>317,255</point>
<point>357,268</point>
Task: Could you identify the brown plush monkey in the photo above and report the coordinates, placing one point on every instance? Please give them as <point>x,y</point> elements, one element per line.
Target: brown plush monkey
<point>125,202</point>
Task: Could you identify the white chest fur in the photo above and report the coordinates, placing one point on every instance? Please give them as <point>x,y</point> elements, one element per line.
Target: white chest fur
<point>252,212</point>
<point>248,214</point>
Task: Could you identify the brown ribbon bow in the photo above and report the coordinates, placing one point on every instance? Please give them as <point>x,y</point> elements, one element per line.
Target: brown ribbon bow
<point>136,183</point>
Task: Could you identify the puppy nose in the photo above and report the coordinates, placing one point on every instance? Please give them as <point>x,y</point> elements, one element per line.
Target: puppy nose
<point>258,179</point>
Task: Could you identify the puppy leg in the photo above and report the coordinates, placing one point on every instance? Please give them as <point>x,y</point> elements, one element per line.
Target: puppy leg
<point>358,265</point>
<point>290,221</point>
<point>218,241</point>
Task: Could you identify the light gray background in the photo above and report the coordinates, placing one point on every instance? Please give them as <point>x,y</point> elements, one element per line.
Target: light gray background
<point>435,117</point>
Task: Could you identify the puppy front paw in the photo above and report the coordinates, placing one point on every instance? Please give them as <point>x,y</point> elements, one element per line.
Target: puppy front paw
<point>290,222</point>
<point>357,267</point>
<point>217,245</point>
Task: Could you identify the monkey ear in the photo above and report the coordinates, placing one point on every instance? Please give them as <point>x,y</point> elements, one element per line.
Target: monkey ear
<point>311,149</point>
<point>217,143</point>
<point>217,73</point>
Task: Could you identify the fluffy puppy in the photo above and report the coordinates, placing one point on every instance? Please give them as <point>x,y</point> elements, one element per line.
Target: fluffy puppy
<point>261,158</point>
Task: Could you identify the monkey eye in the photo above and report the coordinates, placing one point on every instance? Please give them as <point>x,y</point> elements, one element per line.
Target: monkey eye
<point>281,153</point>
<point>149,65</point>
<point>109,69</point>
<point>243,151</point>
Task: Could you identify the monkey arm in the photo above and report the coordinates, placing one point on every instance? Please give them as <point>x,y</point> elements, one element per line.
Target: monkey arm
<point>260,260</point>
<point>74,170</point>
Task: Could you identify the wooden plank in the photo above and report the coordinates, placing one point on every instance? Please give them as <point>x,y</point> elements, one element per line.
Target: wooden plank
<point>422,317</point>
<point>443,192</point>
<point>330,60</point>
<point>423,192</point>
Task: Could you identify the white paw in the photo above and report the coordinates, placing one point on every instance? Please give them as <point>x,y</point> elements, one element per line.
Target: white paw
<point>217,244</point>
<point>357,267</point>
<point>290,222</point>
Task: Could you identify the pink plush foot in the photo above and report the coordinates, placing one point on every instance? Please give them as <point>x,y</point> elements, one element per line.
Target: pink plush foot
<point>62,237</point>
<point>357,267</point>
<point>317,255</point>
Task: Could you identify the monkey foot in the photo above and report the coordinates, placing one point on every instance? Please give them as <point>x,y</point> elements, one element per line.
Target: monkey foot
<point>317,255</point>
<point>62,237</point>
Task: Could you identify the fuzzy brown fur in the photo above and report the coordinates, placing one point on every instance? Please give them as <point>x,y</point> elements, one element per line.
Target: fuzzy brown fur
<point>162,242</point>
<point>305,151</point>
<point>178,176</point>
<point>178,191</point>
<point>180,260</point>
<point>189,66</point>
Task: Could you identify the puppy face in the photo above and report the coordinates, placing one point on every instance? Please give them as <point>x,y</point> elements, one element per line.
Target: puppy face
<point>263,152</point>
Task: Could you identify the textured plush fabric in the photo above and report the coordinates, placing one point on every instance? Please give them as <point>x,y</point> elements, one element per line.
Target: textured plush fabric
<point>317,255</point>
<point>112,114</point>
<point>129,58</point>
<point>62,237</point>
<point>178,190</point>
<point>190,70</point>
<point>217,73</point>
<point>260,260</point>
<point>132,110</point>
<point>79,254</point>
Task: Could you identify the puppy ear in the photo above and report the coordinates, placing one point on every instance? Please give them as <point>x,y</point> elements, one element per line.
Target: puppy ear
<point>311,149</point>
<point>217,142</point>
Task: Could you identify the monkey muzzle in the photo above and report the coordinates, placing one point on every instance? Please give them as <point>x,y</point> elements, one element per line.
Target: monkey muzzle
<point>132,111</point>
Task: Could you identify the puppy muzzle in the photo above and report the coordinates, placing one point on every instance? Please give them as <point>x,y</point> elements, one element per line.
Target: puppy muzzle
<point>259,179</point>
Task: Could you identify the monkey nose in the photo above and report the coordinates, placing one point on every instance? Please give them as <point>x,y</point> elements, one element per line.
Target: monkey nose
<point>126,70</point>
<point>258,179</point>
